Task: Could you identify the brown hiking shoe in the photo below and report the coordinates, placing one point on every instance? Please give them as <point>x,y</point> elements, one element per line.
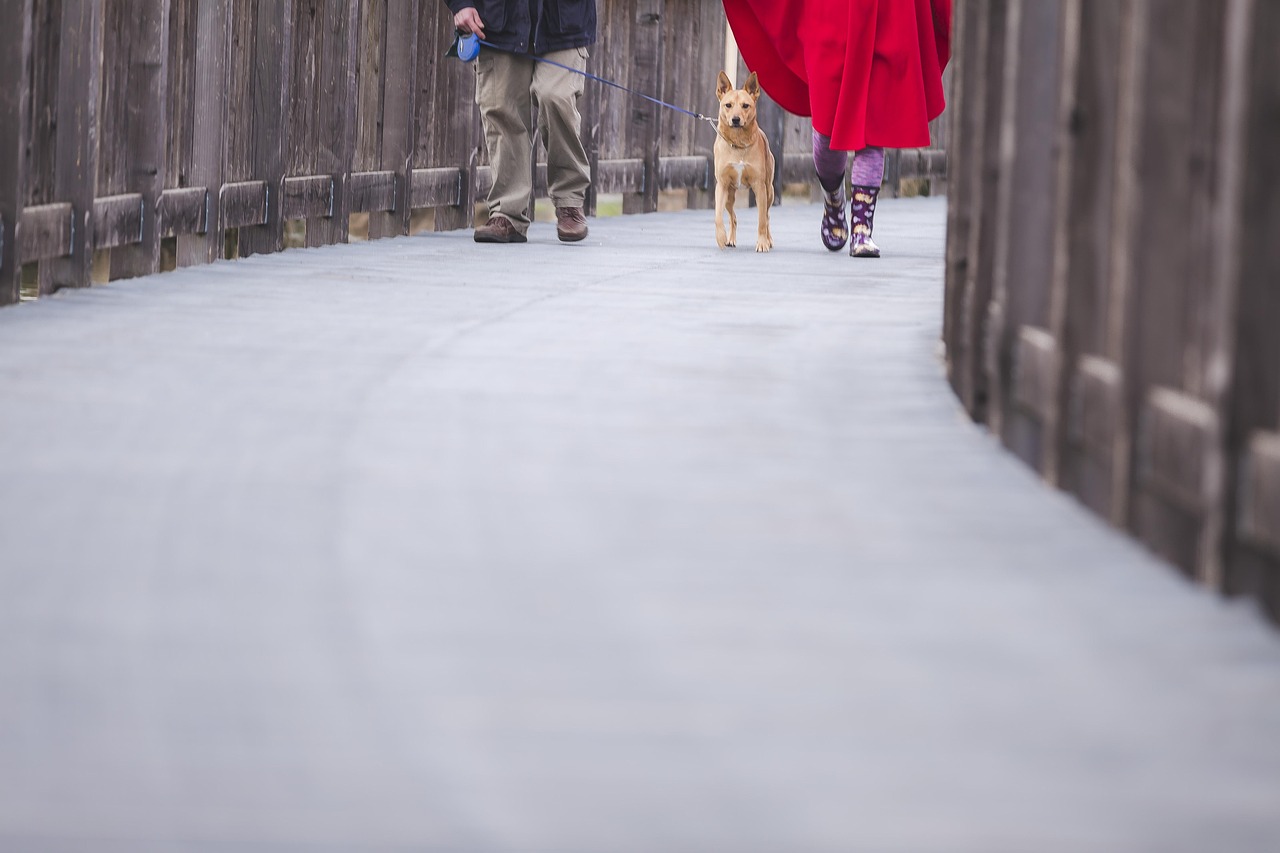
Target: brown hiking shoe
<point>571,225</point>
<point>499,230</point>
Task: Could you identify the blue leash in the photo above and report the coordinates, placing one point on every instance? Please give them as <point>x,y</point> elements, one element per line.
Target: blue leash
<point>467,48</point>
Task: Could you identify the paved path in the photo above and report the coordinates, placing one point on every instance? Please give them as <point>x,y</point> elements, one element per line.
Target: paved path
<point>633,545</point>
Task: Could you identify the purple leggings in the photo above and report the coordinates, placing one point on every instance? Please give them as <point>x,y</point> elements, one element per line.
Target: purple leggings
<point>868,164</point>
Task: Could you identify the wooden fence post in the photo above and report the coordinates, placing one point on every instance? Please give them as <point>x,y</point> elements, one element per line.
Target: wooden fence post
<point>272,61</point>
<point>1022,362</point>
<point>455,138</point>
<point>986,90</point>
<point>208,163</point>
<point>146,132</point>
<point>1251,256</point>
<point>696,35</point>
<point>965,110</point>
<point>646,75</point>
<point>1174,331</point>
<point>15,53</point>
<point>76,160</point>
<point>591,104</point>
<point>1081,440</point>
<point>399,90</point>
<point>337,54</point>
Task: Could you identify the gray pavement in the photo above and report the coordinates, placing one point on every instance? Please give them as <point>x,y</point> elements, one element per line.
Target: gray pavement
<point>633,545</point>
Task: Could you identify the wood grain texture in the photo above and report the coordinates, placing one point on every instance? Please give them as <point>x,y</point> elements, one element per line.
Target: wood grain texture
<point>76,143</point>
<point>205,165</point>
<point>401,27</point>
<point>15,51</point>
<point>146,28</point>
<point>272,102</point>
<point>46,232</point>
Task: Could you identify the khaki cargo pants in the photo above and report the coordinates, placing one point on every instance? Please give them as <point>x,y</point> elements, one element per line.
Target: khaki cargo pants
<point>508,86</point>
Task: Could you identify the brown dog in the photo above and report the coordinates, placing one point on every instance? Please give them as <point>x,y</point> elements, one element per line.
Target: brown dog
<point>742,158</point>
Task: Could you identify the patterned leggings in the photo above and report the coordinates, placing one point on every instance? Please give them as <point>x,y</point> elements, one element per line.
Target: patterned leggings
<point>868,164</point>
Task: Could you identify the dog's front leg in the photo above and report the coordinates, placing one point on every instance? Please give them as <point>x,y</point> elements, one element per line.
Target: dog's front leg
<point>730,196</point>
<point>722,239</point>
<point>764,201</point>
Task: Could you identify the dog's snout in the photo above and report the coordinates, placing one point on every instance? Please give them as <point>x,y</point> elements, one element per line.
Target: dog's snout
<point>737,121</point>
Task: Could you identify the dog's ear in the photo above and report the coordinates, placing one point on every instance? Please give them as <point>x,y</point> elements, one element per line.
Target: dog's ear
<point>723,84</point>
<point>752,86</point>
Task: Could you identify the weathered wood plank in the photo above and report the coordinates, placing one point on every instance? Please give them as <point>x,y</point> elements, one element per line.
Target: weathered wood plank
<point>399,127</point>
<point>1168,183</point>
<point>965,109</point>
<point>372,192</point>
<point>484,180</point>
<point>590,109</point>
<point>795,169</point>
<point>118,220</point>
<point>15,53</point>
<point>272,61</point>
<point>43,108</point>
<point>240,136</point>
<point>368,153</point>
<point>621,176</point>
<point>988,92</point>
<point>76,160</point>
<point>1033,379</point>
<point>439,187</point>
<point>244,204</point>
<point>1082,290</point>
<point>1021,270</point>
<point>1175,444</point>
<point>645,60</point>
<point>1260,493</point>
<point>707,33</point>
<point>1093,417</point>
<point>147,132</point>
<point>46,232</point>
<point>336,119</point>
<point>208,155</point>
<point>457,133</point>
<point>1251,257</point>
<point>679,173</point>
<point>184,212</point>
<point>309,197</point>
<point>180,91</point>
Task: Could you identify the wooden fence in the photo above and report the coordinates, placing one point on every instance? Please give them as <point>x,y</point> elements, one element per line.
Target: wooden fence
<point>128,125</point>
<point>1113,263</point>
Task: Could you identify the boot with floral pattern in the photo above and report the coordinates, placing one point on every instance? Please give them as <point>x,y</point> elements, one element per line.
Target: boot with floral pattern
<point>863,211</point>
<point>835,228</point>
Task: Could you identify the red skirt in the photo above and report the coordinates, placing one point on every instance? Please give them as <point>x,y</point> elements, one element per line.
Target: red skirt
<point>869,72</point>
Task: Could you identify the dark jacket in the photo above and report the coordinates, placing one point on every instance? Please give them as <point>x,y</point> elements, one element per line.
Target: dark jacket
<point>534,26</point>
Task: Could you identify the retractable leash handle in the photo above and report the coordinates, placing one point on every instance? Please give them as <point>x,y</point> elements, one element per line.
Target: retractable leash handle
<point>466,46</point>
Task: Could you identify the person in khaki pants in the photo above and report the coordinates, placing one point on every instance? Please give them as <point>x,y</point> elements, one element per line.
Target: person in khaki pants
<point>509,82</point>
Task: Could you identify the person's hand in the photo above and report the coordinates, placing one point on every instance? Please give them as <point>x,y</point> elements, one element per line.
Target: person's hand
<point>468,21</point>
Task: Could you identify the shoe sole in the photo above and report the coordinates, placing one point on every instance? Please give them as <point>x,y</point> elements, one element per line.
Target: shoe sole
<point>514,238</point>
<point>571,238</point>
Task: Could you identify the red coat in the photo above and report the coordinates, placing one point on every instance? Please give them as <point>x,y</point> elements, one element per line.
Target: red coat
<point>868,71</point>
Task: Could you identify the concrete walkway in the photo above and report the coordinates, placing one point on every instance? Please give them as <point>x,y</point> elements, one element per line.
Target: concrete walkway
<point>633,545</point>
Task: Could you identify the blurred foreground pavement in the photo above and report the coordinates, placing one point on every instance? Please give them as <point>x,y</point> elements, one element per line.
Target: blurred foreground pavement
<point>632,545</point>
